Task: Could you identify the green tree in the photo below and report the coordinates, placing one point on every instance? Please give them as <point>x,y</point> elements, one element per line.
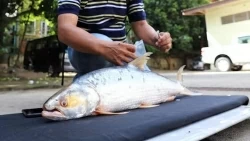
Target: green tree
<point>11,10</point>
<point>23,11</point>
<point>167,16</point>
<point>49,11</point>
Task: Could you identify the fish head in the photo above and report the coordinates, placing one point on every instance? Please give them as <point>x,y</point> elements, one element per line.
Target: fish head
<point>70,103</point>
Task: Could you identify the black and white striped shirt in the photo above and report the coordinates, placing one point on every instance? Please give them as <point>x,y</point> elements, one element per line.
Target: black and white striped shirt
<point>104,16</point>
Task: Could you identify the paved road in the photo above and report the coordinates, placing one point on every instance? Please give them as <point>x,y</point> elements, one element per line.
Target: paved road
<point>207,83</point>
<point>214,79</point>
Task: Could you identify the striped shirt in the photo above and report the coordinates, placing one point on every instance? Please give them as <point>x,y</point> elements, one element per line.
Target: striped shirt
<point>104,16</point>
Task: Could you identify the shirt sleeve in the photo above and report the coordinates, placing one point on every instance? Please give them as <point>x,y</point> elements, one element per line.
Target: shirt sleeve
<point>68,6</point>
<point>136,10</point>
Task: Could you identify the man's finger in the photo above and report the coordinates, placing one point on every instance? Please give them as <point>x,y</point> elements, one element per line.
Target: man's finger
<point>157,43</point>
<point>129,47</point>
<point>130,55</point>
<point>166,42</point>
<point>119,62</point>
<point>126,59</point>
<point>166,34</point>
<point>167,50</point>
<point>160,38</point>
<point>166,46</point>
<point>169,46</point>
<point>163,36</point>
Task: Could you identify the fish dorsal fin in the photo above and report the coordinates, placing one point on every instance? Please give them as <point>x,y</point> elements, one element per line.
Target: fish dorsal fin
<point>141,61</point>
<point>179,74</point>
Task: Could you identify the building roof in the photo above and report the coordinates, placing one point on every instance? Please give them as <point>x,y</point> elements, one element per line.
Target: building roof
<point>200,10</point>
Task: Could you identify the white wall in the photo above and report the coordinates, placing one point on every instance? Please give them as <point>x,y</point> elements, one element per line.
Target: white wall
<point>224,33</point>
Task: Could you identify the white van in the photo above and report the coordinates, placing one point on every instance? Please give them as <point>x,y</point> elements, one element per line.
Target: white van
<point>229,57</point>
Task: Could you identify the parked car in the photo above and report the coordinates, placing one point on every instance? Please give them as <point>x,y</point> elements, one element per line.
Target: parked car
<point>197,63</point>
<point>45,55</point>
<point>67,65</point>
<point>228,57</point>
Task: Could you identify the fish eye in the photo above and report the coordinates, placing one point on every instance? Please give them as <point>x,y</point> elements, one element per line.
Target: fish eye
<point>64,103</point>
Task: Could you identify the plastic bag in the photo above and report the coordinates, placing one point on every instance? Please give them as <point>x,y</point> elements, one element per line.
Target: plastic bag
<point>140,50</point>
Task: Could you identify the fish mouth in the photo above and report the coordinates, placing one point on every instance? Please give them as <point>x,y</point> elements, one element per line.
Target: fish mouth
<point>53,114</point>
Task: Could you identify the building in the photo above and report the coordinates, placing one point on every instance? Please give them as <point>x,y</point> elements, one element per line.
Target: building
<point>35,29</point>
<point>225,20</point>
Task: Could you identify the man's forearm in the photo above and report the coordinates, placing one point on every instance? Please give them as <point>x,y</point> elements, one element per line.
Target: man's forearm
<point>145,32</point>
<point>76,37</point>
<point>79,39</point>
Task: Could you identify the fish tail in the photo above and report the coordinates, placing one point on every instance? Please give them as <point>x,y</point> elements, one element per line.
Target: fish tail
<point>190,93</point>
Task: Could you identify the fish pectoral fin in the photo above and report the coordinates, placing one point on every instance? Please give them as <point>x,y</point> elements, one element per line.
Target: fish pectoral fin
<point>109,113</point>
<point>148,106</point>
<point>171,98</point>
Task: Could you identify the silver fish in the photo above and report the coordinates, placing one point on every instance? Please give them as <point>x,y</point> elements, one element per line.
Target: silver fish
<point>112,91</point>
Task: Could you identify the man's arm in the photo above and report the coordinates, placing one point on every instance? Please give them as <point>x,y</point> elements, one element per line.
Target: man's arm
<point>145,32</point>
<point>79,39</point>
<point>82,41</point>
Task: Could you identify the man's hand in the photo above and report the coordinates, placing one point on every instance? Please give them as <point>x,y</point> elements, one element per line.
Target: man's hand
<point>144,31</point>
<point>118,52</point>
<point>164,41</point>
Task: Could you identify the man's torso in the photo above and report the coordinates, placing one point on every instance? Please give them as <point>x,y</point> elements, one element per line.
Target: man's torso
<point>104,16</point>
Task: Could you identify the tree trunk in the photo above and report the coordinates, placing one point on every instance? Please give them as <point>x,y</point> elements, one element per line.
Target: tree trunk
<point>1,34</point>
<point>4,58</point>
<point>24,32</point>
